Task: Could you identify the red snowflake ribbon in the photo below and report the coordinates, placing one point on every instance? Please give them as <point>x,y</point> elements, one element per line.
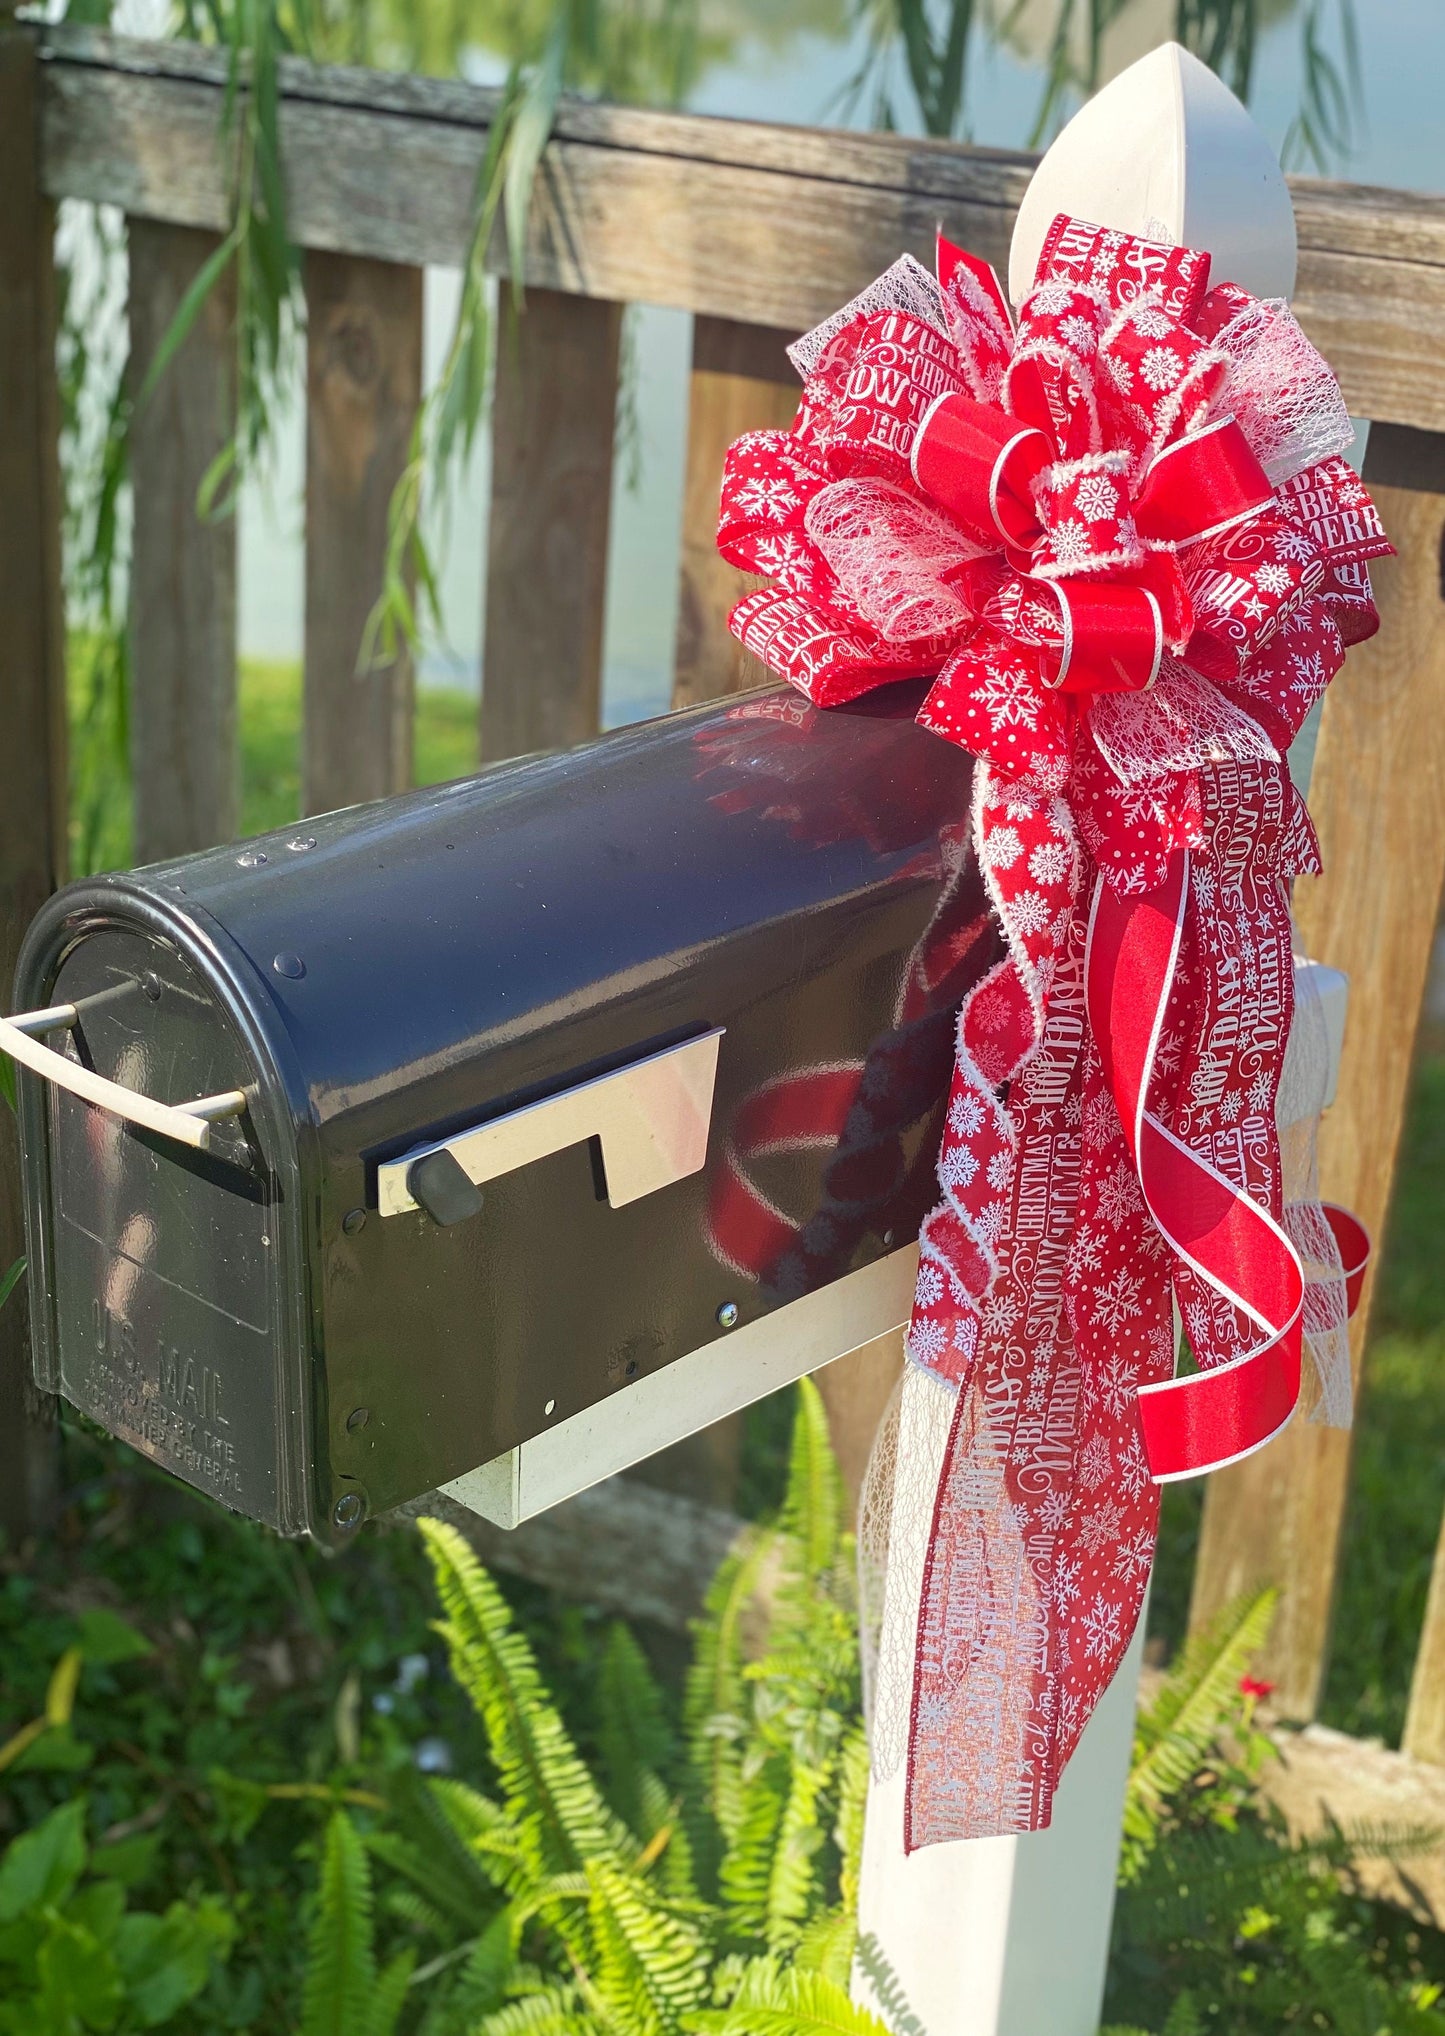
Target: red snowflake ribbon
<point>1121,541</point>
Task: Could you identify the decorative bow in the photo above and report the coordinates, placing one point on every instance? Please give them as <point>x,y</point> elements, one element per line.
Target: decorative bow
<point>1123,544</point>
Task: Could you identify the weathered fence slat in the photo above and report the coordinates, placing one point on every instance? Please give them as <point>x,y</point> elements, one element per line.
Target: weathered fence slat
<point>554,418</point>
<point>1378,798</point>
<point>742,380</point>
<point>1424,1734</point>
<point>363,389</point>
<point>32,687</point>
<point>184,762</point>
<point>775,226</point>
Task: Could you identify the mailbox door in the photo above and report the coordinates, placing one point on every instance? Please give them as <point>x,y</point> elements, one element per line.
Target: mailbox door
<point>163,1283</point>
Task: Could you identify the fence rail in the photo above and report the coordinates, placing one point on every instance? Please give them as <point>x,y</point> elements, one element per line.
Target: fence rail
<point>758,231</point>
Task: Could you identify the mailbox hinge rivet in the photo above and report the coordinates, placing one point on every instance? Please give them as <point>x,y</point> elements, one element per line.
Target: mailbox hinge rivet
<point>349,1509</point>
<point>353,1220</point>
<point>727,1315</point>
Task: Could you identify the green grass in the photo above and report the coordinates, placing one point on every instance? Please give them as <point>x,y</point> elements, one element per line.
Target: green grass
<point>269,712</point>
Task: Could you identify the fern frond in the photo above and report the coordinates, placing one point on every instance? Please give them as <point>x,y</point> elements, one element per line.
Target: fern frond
<point>813,1504</point>
<point>792,1881</point>
<point>1176,1732</point>
<point>552,2011</point>
<point>491,1969</point>
<point>853,1768</point>
<point>773,2002</point>
<point>337,1989</point>
<point>716,1698</point>
<point>745,1877</point>
<point>633,1737</point>
<point>553,1803</point>
<point>651,1964</point>
<point>389,1995</point>
<point>827,1945</point>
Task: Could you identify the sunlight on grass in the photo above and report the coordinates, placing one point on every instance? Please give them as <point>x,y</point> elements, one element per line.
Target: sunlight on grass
<point>269,710</point>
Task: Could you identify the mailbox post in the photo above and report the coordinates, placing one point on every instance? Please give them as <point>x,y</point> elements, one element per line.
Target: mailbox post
<point>1009,1936</point>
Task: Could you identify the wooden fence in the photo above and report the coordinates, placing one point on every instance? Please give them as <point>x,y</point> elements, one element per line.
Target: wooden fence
<point>758,231</point>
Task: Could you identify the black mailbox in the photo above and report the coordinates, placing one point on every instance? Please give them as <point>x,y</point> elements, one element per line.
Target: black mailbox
<point>360,1156</point>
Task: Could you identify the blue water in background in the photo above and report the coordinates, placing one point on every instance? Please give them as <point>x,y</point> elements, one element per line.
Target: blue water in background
<point>797,77</point>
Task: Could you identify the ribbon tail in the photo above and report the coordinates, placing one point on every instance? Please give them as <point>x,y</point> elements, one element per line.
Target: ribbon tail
<point>1211,1418</point>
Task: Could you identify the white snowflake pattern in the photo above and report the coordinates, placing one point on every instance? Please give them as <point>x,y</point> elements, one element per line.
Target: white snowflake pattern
<point>1309,673</point>
<point>1294,545</point>
<point>1118,370</point>
<point>767,498</point>
<point>1002,848</point>
<point>1078,332</point>
<point>784,557</point>
<point>1101,1527</point>
<point>1261,1093</point>
<point>957,1167</point>
<point>990,1221</point>
<point>999,1170</point>
<point>1231,1105</point>
<point>1116,1302</point>
<point>1271,579</point>
<point>1161,367</point>
<point>1133,1470</point>
<point>1085,1252</point>
<point>1051,862</point>
<point>930,1285</point>
<point>965,1115</point>
<point>1096,1463</point>
<point>1009,700</point>
<point>1119,1195</point>
<point>1030,912</point>
<point>1054,1512</point>
<point>1199,1326</point>
<point>1101,1119</point>
<point>927,1341</point>
<point>1204,887</point>
<point>1049,299</point>
<point>1118,1383</point>
<point>1152,323</point>
<point>1134,1557</point>
<point>1071,543</point>
<point>1000,1312</point>
<point>1097,496</point>
<point>1101,1628</point>
<point>1065,1585</point>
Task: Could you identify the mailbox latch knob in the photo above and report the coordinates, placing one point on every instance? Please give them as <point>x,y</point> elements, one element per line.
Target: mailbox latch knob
<point>438,1183</point>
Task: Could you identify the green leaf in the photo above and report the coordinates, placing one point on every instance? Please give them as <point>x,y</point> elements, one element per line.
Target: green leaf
<point>779,2001</point>
<point>11,1278</point>
<point>813,1506</point>
<point>532,126</point>
<point>106,1638</point>
<point>54,1751</point>
<point>341,1963</point>
<point>167,1960</point>
<point>78,1978</point>
<point>41,1867</point>
<point>187,312</point>
<point>130,1861</point>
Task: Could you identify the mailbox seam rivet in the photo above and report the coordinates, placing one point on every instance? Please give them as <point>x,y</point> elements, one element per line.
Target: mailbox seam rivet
<point>353,1220</point>
<point>550,1407</point>
<point>727,1315</point>
<point>251,859</point>
<point>357,1418</point>
<point>301,843</point>
<point>289,965</point>
<point>348,1509</point>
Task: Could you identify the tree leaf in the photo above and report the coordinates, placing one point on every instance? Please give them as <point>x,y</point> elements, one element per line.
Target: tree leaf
<point>42,1866</point>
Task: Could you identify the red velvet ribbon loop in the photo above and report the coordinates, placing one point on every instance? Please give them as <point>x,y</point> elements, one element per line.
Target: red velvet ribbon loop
<point>1201,485</point>
<point>1113,636</point>
<point>980,466</point>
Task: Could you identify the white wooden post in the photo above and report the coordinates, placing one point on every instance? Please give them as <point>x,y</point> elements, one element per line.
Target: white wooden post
<point>1009,1936</point>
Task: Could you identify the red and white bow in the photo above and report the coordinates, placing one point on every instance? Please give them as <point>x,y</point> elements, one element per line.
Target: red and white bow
<point>1122,542</point>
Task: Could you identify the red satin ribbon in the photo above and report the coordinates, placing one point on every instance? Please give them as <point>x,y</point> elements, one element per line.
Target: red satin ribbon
<point>981,465</point>
<point>1201,485</point>
<point>1212,1417</point>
